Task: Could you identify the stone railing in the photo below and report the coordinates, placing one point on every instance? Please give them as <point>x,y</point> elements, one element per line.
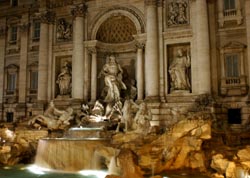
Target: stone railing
<point>230,12</point>
<point>11,96</point>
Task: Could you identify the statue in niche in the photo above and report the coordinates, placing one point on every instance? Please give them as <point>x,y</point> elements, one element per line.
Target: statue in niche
<point>177,13</point>
<point>64,79</point>
<point>112,73</point>
<point>179,71</point>
<point>64,30</point>
<point>53,118</point>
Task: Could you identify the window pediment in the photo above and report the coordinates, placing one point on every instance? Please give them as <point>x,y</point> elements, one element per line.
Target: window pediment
<point>234,45</point>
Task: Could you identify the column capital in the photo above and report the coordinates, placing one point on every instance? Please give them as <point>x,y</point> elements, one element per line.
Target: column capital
<point>47,17</point>
<point>92,50</point>
<point>24,27</point>
<point>151,2</point>
<point>79,10</point>
<point>140,45</point>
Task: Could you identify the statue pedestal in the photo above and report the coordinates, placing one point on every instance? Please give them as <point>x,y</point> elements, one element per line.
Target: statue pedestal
<point>179,91</point>
<point>63,97</point>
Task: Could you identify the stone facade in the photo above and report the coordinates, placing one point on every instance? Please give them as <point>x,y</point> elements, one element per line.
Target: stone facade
<point>36,39</point>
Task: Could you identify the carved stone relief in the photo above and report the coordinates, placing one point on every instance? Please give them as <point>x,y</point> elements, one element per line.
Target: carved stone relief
<point>179,68</point>
<point>177,12</point>
<point>64,30</point>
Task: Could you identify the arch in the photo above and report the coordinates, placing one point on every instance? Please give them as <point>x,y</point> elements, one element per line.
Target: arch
<point>133,14</point>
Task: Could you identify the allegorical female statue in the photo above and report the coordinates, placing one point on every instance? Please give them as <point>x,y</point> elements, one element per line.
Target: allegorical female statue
<point>64,79</point>
<point>178,71</point>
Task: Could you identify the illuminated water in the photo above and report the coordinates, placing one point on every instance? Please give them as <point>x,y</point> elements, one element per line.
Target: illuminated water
<point>23,171</point>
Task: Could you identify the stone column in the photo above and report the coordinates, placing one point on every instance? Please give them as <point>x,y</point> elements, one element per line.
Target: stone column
<point>78,13</point>
<point>46,18</point>
<point>24,27</point>
<point>220,13</point>
<point>2,60</point>
<point>140,72</point>
<point>151,52</point>
<point>222,63</point>
<point>50,61</point>
<point>93,74</point>
<point>203,52</point>
<point>247,12</point>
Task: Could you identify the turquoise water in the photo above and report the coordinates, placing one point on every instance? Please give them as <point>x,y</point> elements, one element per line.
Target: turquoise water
<point>24,171</point>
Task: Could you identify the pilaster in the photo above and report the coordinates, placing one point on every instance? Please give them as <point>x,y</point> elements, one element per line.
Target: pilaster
<point>2,61</point>
<point>46,17</point>
<point>151,52</point>
<point>203,51</point>
<point>78,61</point>
<point>24,27</point>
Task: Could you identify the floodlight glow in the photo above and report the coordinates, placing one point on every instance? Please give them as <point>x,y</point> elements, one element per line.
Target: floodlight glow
<point>98,174</point>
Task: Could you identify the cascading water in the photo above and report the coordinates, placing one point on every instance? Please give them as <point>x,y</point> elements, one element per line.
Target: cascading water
<point>73,153</point>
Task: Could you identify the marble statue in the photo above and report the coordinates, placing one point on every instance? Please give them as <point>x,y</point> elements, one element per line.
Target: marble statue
<point>64,30</point>
<point>64,79</point>
<point>53,118</point>
<point>98,109</point>
<point>178,71</point>
<point>128,113</point>
<point>112,73</point>
<point>141,122</point>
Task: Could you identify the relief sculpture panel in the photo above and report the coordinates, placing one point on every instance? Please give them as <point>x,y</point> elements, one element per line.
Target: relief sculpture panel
<point>177,12</point>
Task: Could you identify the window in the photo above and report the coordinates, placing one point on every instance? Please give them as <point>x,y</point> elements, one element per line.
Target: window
<point>11,83</point>
<point>10,116</point>
<point>229,4</point>
<point>36,30</point>
<point>13,34</point>
<point>232,63</point>
<point>234,116</point>
<point>33,81</point>
<point>14,3</point>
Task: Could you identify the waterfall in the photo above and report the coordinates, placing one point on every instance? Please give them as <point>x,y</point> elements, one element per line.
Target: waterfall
<point>68,154</point>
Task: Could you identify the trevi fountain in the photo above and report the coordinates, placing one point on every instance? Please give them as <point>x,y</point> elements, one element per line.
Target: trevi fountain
<point>116,134</point>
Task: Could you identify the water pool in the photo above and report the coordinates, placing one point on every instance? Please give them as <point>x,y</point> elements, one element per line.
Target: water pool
<point>27,171</point>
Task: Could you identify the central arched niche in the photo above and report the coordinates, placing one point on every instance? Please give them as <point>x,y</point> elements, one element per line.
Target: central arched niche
<point>116,29</point>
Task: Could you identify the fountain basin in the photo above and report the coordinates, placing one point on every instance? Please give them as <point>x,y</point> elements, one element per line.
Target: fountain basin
<point>87,132</point>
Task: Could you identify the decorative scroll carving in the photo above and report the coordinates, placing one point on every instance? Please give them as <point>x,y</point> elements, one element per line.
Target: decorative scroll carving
<point>64,30</point>
<point>177,13</point>
<point>79,11</point>
<point>47,17</point>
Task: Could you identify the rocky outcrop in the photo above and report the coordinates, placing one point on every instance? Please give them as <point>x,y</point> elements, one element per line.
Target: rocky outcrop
<point>177,148</point>
<point>17,146</point>
<point>238,167</point>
